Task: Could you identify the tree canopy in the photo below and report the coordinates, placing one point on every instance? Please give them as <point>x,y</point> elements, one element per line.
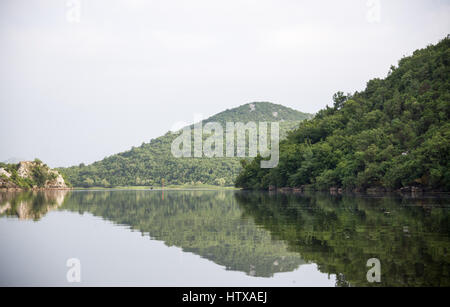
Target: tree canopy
<point>395,133</point>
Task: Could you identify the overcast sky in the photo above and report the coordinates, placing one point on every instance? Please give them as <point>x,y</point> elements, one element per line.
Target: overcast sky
<point>78,87</point>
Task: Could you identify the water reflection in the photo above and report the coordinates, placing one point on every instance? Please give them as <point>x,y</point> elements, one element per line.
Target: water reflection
<point>30,205</point>
<point>409,236</point>
<point>207,223</point>
<point>262,234</point>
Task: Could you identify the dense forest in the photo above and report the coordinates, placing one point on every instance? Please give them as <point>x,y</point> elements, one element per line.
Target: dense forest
<point>153,164</point>
<point>394,134</point>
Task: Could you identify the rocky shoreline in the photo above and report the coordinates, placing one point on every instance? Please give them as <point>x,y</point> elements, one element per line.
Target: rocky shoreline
<point>30,175</point>
<point>410,190</point>
<point>4,189</point>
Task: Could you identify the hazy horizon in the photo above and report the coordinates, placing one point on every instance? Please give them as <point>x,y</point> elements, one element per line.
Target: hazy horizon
<point>79,85</point>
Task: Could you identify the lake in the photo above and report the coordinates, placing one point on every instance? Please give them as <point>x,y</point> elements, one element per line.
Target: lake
<point>221,238</point>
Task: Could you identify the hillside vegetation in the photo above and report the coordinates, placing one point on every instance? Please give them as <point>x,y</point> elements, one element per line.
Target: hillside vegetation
<point>153,163</point>
<point>394,134</point>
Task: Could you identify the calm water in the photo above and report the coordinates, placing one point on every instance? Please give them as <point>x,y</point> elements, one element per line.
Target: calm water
<point>222,238</point>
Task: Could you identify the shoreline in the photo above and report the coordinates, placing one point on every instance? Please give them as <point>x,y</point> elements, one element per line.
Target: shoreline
<point>33,189</point>
<point>159,188</point>
<point>275,191</point>
<point>376,191</point>
<point>136,188</point>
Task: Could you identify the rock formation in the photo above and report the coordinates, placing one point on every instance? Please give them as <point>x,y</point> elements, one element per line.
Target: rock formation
<point>30,175</point>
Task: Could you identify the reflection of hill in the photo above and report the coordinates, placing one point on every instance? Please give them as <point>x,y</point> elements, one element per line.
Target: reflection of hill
<point>30,205</point>
<point>410,237</point>
<point>207,223</point>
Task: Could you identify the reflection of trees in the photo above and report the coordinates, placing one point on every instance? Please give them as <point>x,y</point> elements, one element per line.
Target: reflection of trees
<point>32,204</point>
<point>409,236</point>
<point>207,223</point>
<point>262,233</point>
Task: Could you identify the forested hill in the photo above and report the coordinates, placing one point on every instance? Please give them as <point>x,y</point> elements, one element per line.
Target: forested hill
<point>394,134</point>
<point>152,163</point>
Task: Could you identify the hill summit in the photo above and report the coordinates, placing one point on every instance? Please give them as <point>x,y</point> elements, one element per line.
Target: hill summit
<point>259,112</point>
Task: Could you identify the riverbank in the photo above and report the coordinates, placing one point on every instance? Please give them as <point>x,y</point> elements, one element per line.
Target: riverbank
<point>413,191</point>
<point>16,189</point>
<point>157,188</point>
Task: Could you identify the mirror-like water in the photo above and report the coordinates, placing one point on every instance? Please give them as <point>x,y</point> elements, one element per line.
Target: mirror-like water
<point>222,238</point>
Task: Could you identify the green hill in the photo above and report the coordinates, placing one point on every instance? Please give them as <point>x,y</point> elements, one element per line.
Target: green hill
<point>152,163</point>
<point>259,112</point>
<point>394,134</point>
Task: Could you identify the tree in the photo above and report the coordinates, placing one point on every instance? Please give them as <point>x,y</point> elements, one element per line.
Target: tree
<point>339,99</point>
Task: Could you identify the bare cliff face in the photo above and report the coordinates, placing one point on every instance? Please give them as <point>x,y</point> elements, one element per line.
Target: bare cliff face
<point>25,169</point>
<point>30,175</point>
<point>57,183</point>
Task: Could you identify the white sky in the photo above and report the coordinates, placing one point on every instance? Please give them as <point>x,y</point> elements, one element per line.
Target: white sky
<point>130,69</point>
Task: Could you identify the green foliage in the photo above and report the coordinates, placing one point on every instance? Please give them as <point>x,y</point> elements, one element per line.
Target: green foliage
<point>396,133</point>
<point>40,174</point>
<point>149,163</point>
<point>263,111</point>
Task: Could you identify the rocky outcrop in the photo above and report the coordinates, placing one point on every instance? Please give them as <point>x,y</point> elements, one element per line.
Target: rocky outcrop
<point>5,182</point>
<point>36,174</point>
<point>57,183</point>
<point>413,190</point>
<point>25,169</point>
<point>5,173</point>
